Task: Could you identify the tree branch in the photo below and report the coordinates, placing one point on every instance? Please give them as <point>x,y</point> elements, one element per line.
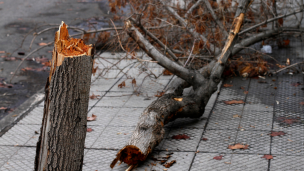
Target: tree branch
<point>173,67</point>
<point>191,30</point>
<point>269,20</point>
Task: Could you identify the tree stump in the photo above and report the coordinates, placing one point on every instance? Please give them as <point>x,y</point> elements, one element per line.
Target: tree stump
<point>64,125</point>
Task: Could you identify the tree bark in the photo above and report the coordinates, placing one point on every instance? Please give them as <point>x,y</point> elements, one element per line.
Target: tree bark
<point>149,131</point>
<point>64,125</point>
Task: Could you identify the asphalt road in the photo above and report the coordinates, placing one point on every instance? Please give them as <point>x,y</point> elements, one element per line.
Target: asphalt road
<point>17,19</point>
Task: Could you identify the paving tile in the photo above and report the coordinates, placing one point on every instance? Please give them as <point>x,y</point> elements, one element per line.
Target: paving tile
<point>104,115</point>
<point>224,119</point>
<point>292,143</point>
<point>256,120</point>
<point>283,163</point>
<point>248,162</point>
<point>217,141</point>
<point>91,137</point>
<point>198,123</point>
<point>105,158</point>
<point>19,134</point>
<point>34,117</point>
<point>18,165</point>
<point>140,101</point>
<point>7,152</point>
<point>114,99</point>
<point>113,138</point>
<point>24,153</point>
<point>258,141</point>
<point>182,144</point>
<point>205,162</point>
<point>183,160</point>
<point>103,84</point>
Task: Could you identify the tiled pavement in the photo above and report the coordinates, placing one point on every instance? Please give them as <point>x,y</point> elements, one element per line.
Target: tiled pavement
<point>266,107</point>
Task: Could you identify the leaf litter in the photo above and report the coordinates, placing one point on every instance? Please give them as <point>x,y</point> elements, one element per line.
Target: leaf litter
<point>238,146</point>
<point>230,102</point>
<point>91,118</point>
<point>178,137</point>
<point>267,156</point>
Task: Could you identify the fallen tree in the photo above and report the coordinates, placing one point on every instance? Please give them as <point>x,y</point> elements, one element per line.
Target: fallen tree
<point>149,131</point>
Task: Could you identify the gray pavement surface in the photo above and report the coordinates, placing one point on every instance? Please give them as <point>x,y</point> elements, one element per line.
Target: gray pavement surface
<point>268,107</point>
<point>17,19</point>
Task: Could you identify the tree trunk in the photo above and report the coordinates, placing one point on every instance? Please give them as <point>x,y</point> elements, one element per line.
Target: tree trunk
<point>64,125</point>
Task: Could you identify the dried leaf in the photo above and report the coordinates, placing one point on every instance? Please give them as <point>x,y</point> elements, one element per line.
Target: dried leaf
<point>218,157</point>
<point>267,156</point>
<point>89,129</point>
<point>178,99</point>
<point>2,51</point>
<point>245,92</point>
<point>44,68</point>
<point>42,44</point>
<point>238,146</point>
<point>4,85</point>
<point>3,108</point>
<point>277,133</point>
<point>227,85</point>
<point>301,103</point>
<point>93,96</point>
<point>134,82</point>
<point>287,62</point>
<point>91,118</point>
<point>204,139</point>
<point>296,84</point>
<point>178,137</point>
<point>236,116</point>
<point>159,94</point>
<point>169,164</point>
<point>234,102</point>
<point>121,85</point>
<point>167,72</point>
<point>280,21</point>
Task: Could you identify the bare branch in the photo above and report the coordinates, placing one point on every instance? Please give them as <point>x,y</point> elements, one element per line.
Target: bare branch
<point>269,20</point>
<point>156,55</point>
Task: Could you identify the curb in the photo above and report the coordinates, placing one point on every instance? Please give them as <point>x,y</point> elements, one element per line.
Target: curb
<point>12,118</point>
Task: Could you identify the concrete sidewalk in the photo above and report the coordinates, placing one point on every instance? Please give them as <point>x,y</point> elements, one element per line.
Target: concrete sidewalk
<point>267,107</point>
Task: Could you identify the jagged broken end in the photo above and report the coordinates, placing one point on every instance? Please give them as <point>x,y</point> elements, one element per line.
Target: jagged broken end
<point>65,46</point>
<point>130,155</point>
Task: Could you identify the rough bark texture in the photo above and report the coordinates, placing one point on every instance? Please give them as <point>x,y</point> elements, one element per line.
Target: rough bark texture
<point>64,125</point>
<point>149,131</point>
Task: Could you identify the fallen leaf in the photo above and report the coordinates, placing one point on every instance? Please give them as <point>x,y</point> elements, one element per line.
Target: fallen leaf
<point>227,85</point>
<point>218,157</point>
<point>234,102</point>
<point>296,84</point>
<point>91,118</point>
<point>204,139</point>
<point>227,162</point>
<point>236,116</point>
<point>169,164</point>
<point>178,137</point>
<point>42,44</point>
<point>36,132</point>
<point>288,120</point>
<point>14,115</point>
<point>243,88</point>
<point>3,108</point>
<point>267,156</point>
<point>245,92</point>
<point>2,51</point>
<point>89,129</point>
<point>277,133</point>
<point>167,72</point>
<point>121,85</point>
<point>280,21</point>
<point>159,94</point>
<point>134,82</point>
<point>178,99</point>
<point>301,103</point>
<point>4,85</point>
<point>93,96</point>
<point>238,146</point>
<point>287,62</point>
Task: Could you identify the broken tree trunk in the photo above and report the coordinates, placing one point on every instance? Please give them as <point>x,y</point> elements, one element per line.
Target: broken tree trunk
<point>64,125</point>
<point>149,131</point>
